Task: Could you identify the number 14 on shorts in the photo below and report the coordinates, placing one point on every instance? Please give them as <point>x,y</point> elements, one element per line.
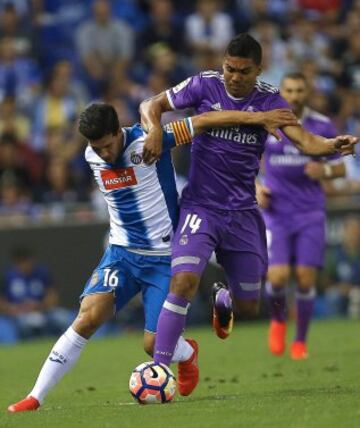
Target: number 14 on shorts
<point>193,221</point>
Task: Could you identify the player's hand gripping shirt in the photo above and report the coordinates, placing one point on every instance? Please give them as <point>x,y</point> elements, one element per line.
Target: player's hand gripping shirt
<point>142,199</point>
<point>224,161</point>
<point>292,190</point>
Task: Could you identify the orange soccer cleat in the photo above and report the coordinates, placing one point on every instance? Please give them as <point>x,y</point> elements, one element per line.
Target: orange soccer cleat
<point>277,334</point>
<point>223,317</point>
<point>299,351</point>
<point>188,371</point>
<point>28,404</point>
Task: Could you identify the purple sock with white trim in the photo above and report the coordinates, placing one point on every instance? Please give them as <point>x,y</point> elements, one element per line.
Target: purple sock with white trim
<point>170,326</point>
<point>304,307</point>
<point>277,302</point>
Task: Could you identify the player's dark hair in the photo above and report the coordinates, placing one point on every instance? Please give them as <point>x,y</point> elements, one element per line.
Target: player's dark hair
<point>295,75</point>
<point>98,120</point>
<point>245,46</point>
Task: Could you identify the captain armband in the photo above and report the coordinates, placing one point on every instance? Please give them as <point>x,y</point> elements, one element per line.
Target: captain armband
<point>183,131</point>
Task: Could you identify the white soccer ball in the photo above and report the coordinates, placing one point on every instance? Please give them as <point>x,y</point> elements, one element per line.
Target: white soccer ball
<point>152,383</point>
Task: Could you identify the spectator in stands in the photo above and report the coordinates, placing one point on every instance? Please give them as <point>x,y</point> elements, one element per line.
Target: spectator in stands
<point>60,193</point>
<point>11,160</point>
<point>164,61</point>
<point>29,300</point>
<point>350,76</point>
<point>105,45</point>
<point>275,51</point>
<point>307,42</point>
<point>21,6</point>
<point>13,121</point>
<point>15,202</point>
<point>342,271</point>
<point>163,27</point>
<point>11,26</point>
<point>57,107</point>
<point>208,27</point>
<point>64,71</point>
<point>19,76</point>
<point>117,94</point>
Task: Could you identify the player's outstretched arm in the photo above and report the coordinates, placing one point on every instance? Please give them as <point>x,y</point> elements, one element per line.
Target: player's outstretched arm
<point>151,111</point>
<point>270,120</point>
<point>325,170</point>
<point>183,131</point>
<point>315,145</point>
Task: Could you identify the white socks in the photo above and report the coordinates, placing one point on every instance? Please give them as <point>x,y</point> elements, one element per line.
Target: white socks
<point>66,352</point>
<point>61,359</point>
<point>183,351</point>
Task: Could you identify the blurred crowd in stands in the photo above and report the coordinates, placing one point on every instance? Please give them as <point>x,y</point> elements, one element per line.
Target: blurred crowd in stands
<point>58,55</point>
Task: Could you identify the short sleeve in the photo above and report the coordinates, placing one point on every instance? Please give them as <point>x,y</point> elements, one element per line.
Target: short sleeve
<point>329,130</point>
<point>276,101</point>
<point>186,94</point>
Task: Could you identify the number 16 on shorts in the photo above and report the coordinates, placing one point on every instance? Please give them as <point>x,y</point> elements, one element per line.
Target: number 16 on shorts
<point>110,278</point>
<point>193,221</point>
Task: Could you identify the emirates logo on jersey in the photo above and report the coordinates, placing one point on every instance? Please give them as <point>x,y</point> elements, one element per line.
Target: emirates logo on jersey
<point>118,178</point>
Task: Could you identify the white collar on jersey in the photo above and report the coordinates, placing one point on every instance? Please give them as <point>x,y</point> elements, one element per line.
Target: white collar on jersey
<point>306,113</point>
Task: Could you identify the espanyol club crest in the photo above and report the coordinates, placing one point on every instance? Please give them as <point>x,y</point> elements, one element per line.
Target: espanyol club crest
<point>135,158</point>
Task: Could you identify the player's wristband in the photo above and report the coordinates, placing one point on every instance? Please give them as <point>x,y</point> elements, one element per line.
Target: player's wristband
<point>327,170</point>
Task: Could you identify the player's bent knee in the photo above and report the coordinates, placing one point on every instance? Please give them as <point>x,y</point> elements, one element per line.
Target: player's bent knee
<point>185,284</point>
<point>279,276</point>
<point>94,311</point>
<point>305,277</point>
<point>86,325</point>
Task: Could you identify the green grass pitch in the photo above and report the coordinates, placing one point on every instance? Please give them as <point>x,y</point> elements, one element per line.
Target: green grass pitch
<point>241,384</point>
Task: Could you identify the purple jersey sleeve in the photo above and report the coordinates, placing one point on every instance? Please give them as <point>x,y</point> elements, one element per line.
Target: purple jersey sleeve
<point>276,101</point>
<point>186,94</point>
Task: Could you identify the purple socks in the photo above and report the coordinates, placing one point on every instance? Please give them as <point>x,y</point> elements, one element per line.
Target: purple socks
<point>171,324</point>
<point>277,302</point>
<point>304,309</point>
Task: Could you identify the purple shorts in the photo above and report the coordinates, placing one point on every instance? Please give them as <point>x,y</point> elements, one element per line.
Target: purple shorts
<point>238,239</point>
<point>298,239</point>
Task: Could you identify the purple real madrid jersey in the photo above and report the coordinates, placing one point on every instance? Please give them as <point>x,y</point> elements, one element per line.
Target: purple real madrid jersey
<point>225,161</point>
<point>292,191</point>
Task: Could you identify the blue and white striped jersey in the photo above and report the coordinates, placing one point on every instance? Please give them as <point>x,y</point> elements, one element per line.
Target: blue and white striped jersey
<point>142,199</point>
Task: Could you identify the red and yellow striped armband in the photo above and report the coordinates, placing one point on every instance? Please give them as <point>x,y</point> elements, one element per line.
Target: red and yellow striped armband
<point>183,131</point>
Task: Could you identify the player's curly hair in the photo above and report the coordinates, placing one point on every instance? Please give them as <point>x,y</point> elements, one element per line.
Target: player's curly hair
<point>245,46</point>
<point>98,120</point>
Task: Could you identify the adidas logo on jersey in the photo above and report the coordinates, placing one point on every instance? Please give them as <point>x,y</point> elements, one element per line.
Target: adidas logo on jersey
<point>216,107</point>
<point>118,178</point>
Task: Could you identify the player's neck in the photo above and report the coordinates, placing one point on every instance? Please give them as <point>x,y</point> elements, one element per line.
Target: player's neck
<point>300,112</point>
<point>238,95</point>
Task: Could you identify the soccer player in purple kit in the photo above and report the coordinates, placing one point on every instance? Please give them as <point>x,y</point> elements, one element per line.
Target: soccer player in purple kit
<point>218,207</point>
<point>294,210</point>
